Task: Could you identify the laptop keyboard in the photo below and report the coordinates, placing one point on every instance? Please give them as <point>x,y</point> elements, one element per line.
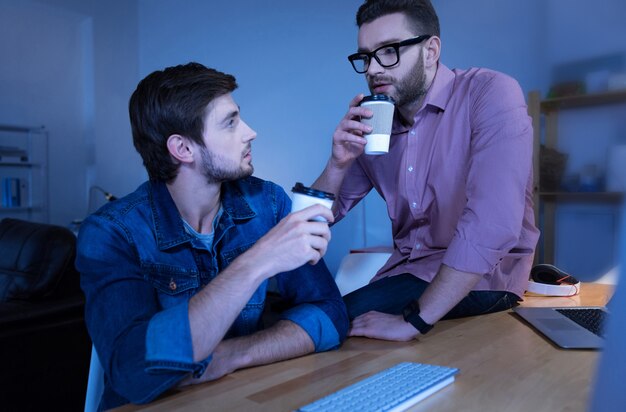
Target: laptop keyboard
<point>591,319</point>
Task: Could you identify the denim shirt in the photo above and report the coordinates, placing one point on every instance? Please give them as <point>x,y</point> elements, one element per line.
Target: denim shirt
<point>140,267</point>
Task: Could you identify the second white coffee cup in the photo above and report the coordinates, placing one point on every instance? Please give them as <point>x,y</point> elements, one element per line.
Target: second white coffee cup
<point>304,197</point>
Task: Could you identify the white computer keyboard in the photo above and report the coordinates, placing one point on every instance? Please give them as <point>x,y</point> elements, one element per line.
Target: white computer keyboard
<point>393,389</point>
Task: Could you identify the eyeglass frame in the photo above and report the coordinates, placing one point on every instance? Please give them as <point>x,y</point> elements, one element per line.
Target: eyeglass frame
<point>396,46</point>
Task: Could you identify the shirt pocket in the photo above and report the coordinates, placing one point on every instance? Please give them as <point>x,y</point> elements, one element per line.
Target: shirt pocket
<point>172,284</point>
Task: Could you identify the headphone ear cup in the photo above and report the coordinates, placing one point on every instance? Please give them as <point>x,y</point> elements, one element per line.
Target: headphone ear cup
<point>548,280</point>
<point>551,275</point>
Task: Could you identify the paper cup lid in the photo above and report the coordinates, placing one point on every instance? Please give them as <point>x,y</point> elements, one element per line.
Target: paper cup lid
<point>378,98</point>
<point>302,189</point>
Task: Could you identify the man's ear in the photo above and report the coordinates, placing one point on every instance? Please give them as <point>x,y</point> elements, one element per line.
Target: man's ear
<point>433,51</point>
<point>180,148</point>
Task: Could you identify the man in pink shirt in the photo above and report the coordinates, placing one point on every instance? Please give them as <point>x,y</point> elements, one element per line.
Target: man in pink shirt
<point>457,179</point>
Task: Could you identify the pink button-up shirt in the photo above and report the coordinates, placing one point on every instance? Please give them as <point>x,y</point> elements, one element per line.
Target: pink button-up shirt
<point>458,182</point>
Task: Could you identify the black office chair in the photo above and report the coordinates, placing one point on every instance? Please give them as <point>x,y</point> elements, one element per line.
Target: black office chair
<point>44,345</point>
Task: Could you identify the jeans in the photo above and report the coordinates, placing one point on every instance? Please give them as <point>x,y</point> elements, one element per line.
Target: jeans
<point>392,294</point>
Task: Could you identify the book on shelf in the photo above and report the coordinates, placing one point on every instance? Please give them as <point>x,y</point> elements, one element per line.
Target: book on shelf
<point>14,192</point>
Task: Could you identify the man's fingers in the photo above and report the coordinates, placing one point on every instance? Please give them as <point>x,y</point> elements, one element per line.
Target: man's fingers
<point>349,139</point>
<point>320,244</point>
<point>317,210</point>
<point>356,113</point>
<point>356,100</point>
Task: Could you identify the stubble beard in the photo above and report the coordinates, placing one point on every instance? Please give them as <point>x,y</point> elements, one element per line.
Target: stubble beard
<point>217,169</point>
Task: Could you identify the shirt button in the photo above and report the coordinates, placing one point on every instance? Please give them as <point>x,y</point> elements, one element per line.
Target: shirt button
<point>172,284</point>
<point>412,132</point>
<point>410,168</point>
<point>413,205</point>
<point>418,245</point>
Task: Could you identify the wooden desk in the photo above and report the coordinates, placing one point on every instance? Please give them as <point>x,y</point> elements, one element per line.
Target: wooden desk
<point>504,366</point>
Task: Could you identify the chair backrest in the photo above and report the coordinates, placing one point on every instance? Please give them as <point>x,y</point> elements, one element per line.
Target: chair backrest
<point>357,269</point>
<point>37,261</point>
<point>95,384</point>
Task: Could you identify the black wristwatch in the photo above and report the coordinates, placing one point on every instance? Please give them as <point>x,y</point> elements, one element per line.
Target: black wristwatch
<point>411,314</point>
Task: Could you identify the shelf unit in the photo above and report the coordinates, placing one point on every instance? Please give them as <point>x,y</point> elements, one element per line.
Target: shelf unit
<point>546,201</point>
<point>24,173</point>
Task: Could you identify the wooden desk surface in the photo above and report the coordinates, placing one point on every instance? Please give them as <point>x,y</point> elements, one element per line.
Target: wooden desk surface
<point>504,366</point>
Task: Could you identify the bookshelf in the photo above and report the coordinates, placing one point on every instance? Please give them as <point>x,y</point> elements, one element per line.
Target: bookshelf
<point>546,199</point>
<point>24,173</point>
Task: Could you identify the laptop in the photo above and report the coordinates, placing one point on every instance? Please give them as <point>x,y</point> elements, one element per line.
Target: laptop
<point>580,327</point>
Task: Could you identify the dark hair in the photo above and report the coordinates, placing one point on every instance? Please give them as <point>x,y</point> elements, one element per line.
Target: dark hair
<point>420,12</point>
<point>172,101</point>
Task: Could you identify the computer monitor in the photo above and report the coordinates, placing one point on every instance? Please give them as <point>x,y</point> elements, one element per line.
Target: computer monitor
<point>608,392</point>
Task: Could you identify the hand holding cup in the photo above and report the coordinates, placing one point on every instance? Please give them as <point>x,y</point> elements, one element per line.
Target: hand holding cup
<point>304,197</point>
<point>383,107</point>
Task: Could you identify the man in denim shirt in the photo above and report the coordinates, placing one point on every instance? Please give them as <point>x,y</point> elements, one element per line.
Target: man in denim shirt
<point>175,274</point>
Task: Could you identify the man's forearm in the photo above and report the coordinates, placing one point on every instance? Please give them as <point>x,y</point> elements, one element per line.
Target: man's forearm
<point>227,294</point>
<point>446,290</point>
<point>331,178</point>
<point>284,340</point>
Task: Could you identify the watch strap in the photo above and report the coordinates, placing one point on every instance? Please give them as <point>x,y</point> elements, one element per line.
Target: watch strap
<point>411,314</point>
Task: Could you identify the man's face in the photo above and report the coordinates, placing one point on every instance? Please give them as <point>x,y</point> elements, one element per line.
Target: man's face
<point>406,81</point>
<point>228,152</point>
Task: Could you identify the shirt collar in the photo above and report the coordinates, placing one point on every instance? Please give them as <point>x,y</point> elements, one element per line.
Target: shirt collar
<point>168,225</point>
<point>437,96</point>
<point>440,91</point>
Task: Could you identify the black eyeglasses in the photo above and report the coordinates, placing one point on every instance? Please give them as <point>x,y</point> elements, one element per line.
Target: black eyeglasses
<point>387,55</point>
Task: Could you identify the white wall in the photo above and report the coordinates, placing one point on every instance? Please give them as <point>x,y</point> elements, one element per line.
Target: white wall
<point>501,35</point>
<point>42,82</point>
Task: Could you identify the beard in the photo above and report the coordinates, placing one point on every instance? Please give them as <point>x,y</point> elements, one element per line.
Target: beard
<point>218,169</point>
<point>408,89</point>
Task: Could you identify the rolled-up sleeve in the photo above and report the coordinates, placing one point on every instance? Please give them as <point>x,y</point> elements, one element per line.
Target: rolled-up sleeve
<point>316,324</point>
<point>163,353</point>
<point>498,174</point>
<point>315,304</point>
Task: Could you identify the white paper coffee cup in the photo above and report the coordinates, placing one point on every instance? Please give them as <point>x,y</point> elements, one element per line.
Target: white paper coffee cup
<point>304,197</point>
<point>381,122</point>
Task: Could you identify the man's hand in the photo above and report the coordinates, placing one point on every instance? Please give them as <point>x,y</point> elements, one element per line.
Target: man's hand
<point>348,140</point>
<point>379,325</point>
<point>222,363</point>
<point>348,144</point>
<point>294,241</point>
